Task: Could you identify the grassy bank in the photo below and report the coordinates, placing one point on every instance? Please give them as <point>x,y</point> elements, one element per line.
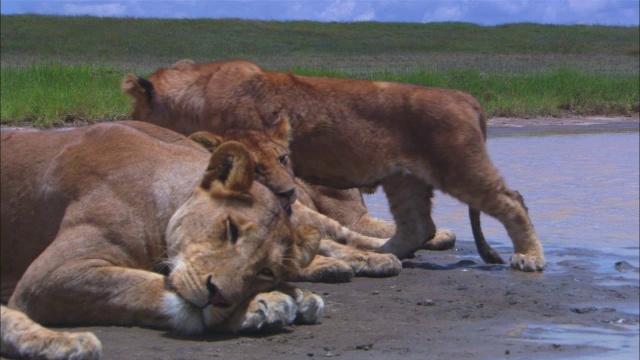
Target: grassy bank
<point>57,68</point>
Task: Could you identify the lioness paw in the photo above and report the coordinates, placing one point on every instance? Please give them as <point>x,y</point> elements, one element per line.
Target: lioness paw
<point>527,262</point>
<point>269,310</point>
<point>310,306</point>
<point>73,346</point>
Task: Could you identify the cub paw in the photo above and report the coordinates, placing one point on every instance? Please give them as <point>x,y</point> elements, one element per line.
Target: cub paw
<point>527,262</point>
<point>377,265</point>
<point>269,310</point>
<point>325,269</point>
<point>443,240</point>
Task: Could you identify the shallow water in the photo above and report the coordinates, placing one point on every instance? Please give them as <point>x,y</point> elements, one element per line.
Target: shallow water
<point>583,194</point>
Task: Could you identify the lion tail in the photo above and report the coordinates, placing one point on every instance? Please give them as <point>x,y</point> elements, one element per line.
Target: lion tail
<point>487,253</point>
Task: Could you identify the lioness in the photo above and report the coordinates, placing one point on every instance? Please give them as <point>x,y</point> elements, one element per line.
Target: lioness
<point>342,246</point>
<point>129,223</point>
<point>353,133</point>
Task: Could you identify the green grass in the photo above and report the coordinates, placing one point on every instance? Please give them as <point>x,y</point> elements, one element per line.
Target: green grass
<point>68,68</point>
<point>45,95</point>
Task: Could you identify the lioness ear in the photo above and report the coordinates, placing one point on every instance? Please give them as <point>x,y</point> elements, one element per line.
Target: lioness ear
<point>208,140</point>
<point>306,245</point>
<point>231,166</point>
<point>280,132</point>
<point>139,88</point>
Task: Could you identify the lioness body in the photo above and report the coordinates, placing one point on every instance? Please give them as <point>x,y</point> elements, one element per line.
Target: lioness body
<point>120,224</point>
<point>353,133</point>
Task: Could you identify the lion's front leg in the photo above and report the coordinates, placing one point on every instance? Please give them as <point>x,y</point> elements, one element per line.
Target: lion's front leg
<point>410,203</point>
<point>23,338</point>
<point>276,309</point>
<point>363,263</point>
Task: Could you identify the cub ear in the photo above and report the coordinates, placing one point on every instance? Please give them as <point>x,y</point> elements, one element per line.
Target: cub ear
<point>280,132</point>
<point>232,167</point>
<point>209,141</point>
<point>137,87</point>
<point>306,245</point>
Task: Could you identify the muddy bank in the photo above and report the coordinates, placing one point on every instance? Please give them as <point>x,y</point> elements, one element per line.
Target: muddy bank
<point>448,304</point>
<point>442,305</point>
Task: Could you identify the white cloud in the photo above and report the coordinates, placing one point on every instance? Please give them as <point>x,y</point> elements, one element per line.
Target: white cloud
<point>368,15</point>
<point>445,13</point>
<point>338,11</point>
<point>112,9</point>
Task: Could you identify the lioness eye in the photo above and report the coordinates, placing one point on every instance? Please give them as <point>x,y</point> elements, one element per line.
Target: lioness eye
<point>259,169</point>
<point>232,232</point>
<point>266,273</point>
<point>283,159</point>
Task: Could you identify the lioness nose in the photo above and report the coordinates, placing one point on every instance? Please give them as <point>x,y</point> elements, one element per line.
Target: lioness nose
<point>215,296</point>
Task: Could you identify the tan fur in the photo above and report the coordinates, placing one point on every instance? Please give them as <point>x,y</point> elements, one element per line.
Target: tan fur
<point>129,223</point>
<point>353,133</point>
<point>273,169</point>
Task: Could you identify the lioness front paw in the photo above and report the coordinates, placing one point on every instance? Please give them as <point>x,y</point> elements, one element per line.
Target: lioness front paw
<point>269,310</point>
<point>310,306</point>
<point>527,262</point>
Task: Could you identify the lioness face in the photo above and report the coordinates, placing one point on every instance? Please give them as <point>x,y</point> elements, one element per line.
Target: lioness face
<point>231,240</point>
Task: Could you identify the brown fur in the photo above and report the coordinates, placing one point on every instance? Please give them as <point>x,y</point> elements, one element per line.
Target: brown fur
<point>353,133</point>
<point>129,223</point>
<point>269,150</point>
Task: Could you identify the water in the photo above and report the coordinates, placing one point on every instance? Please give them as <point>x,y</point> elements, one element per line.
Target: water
<point>582,191</point>
<point>583,194</point>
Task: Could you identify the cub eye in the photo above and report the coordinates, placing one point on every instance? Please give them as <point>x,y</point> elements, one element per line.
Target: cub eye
<point>284,159</point>
<point>260,169</point>
<point>266,274</point>
<point>232,231</point>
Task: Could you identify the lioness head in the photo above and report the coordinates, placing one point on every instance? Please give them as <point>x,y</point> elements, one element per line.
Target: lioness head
<point>229,241</point>
<point>270,154</point>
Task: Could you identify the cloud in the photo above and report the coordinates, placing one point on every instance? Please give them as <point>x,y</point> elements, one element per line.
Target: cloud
<point>110,9</point>
<point>368,15</point>
<point>338,11</point>
<point>445,12</point>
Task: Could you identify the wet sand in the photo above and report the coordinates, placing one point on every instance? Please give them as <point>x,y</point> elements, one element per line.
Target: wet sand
<point>445,304</point>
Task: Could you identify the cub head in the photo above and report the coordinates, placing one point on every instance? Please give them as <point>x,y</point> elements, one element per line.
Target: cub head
<point>270,153</point>
<point>229,241</point>
<point>168,94</point>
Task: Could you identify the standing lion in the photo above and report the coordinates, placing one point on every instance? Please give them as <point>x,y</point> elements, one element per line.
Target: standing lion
<point>353,133</point>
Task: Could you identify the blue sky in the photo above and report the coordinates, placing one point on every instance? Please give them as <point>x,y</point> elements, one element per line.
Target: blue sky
<point>484,12</point>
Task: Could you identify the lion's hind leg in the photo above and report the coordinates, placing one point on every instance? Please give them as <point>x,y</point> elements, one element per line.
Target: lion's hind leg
<point>22,337</point>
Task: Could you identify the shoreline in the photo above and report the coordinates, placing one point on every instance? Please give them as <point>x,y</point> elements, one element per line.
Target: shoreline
<point>511,126</point>
<point>495,126</point>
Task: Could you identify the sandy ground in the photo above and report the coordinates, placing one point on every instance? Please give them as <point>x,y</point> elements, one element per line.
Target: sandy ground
<point>443,305</point>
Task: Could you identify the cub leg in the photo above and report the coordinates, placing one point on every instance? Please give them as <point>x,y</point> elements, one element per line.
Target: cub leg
<point>302,215</point>
<point>410,203</point>
<point>486,191</point>
<point>508,207</point>
<point>363,263</point>
<point>325,269</point>
<point>23,338</point>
